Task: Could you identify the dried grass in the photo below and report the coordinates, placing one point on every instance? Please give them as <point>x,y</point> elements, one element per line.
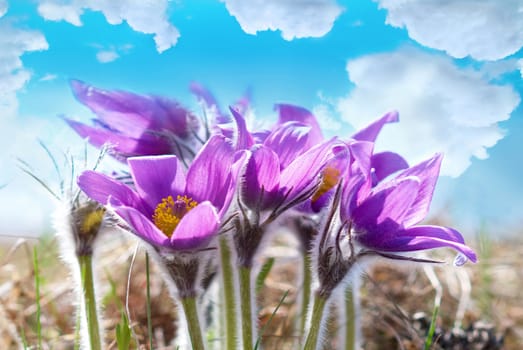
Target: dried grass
<point>391,294</point>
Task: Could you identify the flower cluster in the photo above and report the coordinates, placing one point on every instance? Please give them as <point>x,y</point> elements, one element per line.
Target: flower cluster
<point>202,185</point>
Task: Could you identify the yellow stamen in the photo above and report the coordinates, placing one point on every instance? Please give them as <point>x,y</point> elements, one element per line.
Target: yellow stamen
<point>92,221</point>
<point>329,179</point>
<point>169,212</point>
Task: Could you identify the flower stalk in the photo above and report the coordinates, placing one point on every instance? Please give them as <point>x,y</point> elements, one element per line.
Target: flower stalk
<point>228,294</point>
<point>316,324</point>
<point>89,301</point>
<point>246,307</point>
<point>193,323</point>
<point>351,323</point>
<point>306,291</point>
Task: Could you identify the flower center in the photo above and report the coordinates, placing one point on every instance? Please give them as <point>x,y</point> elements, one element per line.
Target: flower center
<point>329,179</point>
<point>169,212</point>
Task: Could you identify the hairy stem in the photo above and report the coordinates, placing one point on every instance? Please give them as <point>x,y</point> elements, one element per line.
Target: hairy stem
<point>193,323</point>
<point>246,307</point>
<point>89,299</point>
<point>316,322</point>
<point>306,291</point>
<point>228,293</point>
<point>350,319</point>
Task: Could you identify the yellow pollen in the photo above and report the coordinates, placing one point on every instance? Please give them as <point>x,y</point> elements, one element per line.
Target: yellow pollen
<point>169,212</point>
<point>329,179</point>
<point>92,221</point>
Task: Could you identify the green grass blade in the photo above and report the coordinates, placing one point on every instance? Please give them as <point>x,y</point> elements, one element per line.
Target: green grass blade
<point>123,333</point>
<point>432,328</point>
<point>258,341</point>
<point>264,272</point>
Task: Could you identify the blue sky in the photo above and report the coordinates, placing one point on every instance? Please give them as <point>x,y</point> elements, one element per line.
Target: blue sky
<point>453,70</point>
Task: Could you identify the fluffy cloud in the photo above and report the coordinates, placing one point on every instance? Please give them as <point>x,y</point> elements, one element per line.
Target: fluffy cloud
<point>442,108</point>
<point>13,76</point>
<point>483,29</point>
<point>15,131</point>
<point>294,18</point>
<point>3,7</point>
<point>107,56</point>
<point>149,17</point>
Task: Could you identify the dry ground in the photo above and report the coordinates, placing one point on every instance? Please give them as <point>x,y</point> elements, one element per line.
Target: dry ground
<point>391,295</point>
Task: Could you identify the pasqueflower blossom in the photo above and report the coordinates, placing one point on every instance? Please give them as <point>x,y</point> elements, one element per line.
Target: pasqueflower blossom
<point>385,218</point>
<point>167,207</point>
<point>135,125</point>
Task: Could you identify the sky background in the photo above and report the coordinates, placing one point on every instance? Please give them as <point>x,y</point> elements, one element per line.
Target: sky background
<point>452,69</point>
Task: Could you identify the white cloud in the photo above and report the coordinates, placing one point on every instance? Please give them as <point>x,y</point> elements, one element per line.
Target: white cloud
<point>149,17</point>
<point>48,77</point>
<point>442,108</point>
<point>483,29</point>
<point>3,7</point>
<point>13,76</point>
<point>16,203</point>
<point>106,56</point>
<point>294,18</point>
<point>325,118</point>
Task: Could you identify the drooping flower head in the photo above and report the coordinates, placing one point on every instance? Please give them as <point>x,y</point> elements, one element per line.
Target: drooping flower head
<point>135,125</point>
<point>167,207</point>
<point>384,218</point>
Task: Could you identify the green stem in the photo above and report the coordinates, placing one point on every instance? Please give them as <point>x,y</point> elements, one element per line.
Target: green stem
<point>306,291</point>
<point>228,293</point>
<point>193,323</point>
<point>89,298</point>
<point>148,301</point>
<point>316,322</point>
<point>350,320</point>
<point>246,307</point>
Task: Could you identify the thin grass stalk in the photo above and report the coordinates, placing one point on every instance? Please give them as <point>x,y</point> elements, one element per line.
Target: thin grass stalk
<point>37,291</point>
<point>246,307</point>
<point>320,301</point>
<point>193,322</point>
<point>89,299</point>
<point>148,301</point>
<point>228,294</point>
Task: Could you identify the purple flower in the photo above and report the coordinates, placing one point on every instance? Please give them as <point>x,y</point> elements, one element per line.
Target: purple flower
<point>166,207</point>
<point>385,218</point>
<point>135,125</point>
<point>281,171</point>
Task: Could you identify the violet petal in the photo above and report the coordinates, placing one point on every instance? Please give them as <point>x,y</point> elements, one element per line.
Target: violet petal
<point>262,171</point>
<point>157,177</point>
<point>288,141</point>
<point>196,228</point>
<point>370,132</point>
<point>209,176</point>
<point>385,164</point>
<point>100,187</point>
<point>386,207</point>
<point>295,113</point>
<point>428,237</point>
<point>142,226</point>
<point>427,172</point>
